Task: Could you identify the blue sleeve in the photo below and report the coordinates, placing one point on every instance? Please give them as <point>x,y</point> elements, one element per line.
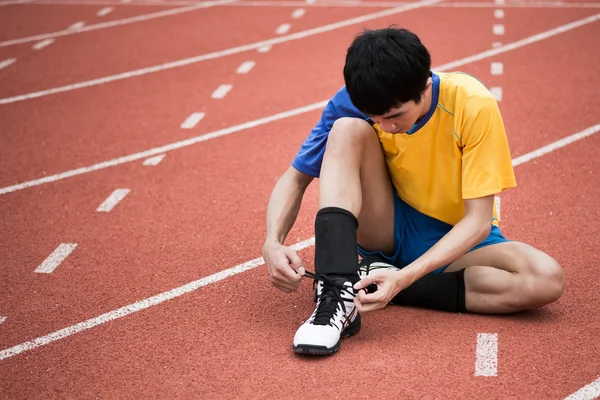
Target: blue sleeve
<point>310,156</point>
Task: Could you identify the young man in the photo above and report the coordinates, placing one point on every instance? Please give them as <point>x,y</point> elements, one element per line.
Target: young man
<point>408,162</point>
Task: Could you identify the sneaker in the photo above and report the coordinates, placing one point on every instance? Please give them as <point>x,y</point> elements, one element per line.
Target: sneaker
<point>372,265</point>
<point>334,318</point>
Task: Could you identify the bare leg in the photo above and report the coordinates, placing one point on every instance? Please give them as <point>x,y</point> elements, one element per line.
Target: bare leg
<point>354,177</point>
<point>509,277</point>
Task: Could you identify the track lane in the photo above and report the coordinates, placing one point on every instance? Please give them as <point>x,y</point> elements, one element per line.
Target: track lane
<point>84,136</point>
<point>225,338</point>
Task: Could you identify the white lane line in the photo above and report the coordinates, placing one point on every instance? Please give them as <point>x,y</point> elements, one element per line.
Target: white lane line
<point>77,25</point>
<point>499,14</point>
<point>245,67</point>
<point>42,44</point>
<point>298,13</point>
<point>486,360</point>
<point>140,305</point>
<point>190,287</point>
<point>498,29</point>
<point>221,91</point>
<point>6,63</point>
<point>500,2</point>
<point>154,161</point>
<point>2,319</point>
<point>495,45</point>
<point>285,114</point>
<point>264,49</point>
<point>496,68</point>
<point>283,28</point>
<point>223,53</point>
<point>109,24</point>
<point>588,392</point>
<point>56,258</point>
<point>192,120</point>
<point>105,11</point>
<point>497,202</point>
<point>497,93</point>
<point>113,200</point>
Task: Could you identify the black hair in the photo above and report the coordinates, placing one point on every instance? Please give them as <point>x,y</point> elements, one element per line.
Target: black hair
<point>385,68</point>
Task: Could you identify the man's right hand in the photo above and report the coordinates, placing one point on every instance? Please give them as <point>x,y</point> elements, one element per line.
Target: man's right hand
<point>284,266</point>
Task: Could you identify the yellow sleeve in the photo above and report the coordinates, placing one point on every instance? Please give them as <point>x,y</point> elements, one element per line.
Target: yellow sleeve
<point>486,161</point>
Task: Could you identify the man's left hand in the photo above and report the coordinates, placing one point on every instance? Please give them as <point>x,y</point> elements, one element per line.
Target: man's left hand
<point>389,284</point>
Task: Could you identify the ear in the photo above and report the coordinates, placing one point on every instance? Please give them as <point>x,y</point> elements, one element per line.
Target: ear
<point>427,87</point>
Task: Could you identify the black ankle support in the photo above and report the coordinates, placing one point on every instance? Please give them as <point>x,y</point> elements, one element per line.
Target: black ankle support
<point>444,291</point>
<point>335,242</point>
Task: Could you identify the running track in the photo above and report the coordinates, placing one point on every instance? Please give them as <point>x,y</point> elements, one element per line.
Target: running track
<point>115,318</point>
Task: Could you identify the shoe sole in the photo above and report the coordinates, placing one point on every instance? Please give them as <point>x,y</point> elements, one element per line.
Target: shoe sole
<point>324,350</point>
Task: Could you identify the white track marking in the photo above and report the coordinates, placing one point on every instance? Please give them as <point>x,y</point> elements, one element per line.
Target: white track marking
<point>192,120</point>
<point>283,29</point>
<point>6,63</point>
<point>77,25</point>
<point>298,13</point>
<point>10,3</point>
<point>286,114</point>
<point>245,67</point>
<point>500,2</point>
<point>109,24</point>
<point>154,161</point>
<point>223,53</point>
<point>105,11</point>
<point>56,258</point>
<point>486,361</point>
<point>2,319</point>
<point>556,145</point>
<point>498,29</point>
<point>113,200</point>
<point>495,45</point>
<point>264,49</point>
<point>173,293</point>
<point>496,68</point>
<point>221,91</point>
<point>497,203</point>
<point>42,44</point>
<point>143,304</point>
<point>499,14</point>
<point>588,392</point>
<point>497,93</point>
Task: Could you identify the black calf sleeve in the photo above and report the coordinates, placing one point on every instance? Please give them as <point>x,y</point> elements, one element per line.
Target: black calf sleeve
<point>335,242</point>
<point>444,291</point>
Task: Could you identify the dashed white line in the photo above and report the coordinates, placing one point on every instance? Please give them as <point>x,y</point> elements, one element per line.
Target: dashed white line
<point>499,14</point>
<point>245,67</point>
<point>486,361</point>
<point>497,202</point>
<point>283,28</point>
<point>221,91</point>
<point>298,13</point>
<point>498,29</point>
<point>497,68</point>
<point>497,93</point>
<point>495,45</point>
<point>2,319</point>
<point>77,25</point>
<point>6,63</point>
<point>588,392</point>
<point>56,258</point>
<point>113,200</point>
<point>154,161</point>
<point>42,44</point>
<point>192,120</point>
<point>264,49</point>
<point>500,2</point>
<point>105,11</point>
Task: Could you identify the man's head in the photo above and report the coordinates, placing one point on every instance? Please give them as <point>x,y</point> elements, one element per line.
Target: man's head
<point>387,75</point>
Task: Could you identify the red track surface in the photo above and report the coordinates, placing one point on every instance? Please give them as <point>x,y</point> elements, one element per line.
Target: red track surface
<point>202,211</point>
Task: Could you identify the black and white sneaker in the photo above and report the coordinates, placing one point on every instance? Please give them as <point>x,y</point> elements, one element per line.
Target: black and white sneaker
<point>334,318</point>
<point>372,265</point>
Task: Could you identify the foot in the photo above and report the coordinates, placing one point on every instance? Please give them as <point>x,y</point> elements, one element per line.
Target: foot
<point>334,318</point>
<point>372,265</point>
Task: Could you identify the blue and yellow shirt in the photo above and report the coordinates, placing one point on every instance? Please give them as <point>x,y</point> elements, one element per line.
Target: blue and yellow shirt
<point>459,149</point>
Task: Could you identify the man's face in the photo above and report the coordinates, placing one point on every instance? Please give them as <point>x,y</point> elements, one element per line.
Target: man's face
<point>399,119</point>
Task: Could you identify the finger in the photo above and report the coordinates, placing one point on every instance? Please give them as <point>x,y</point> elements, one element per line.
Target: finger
<point>365,282</point>
<point>366,298</point>
<point>280,281</point>
<point>365,308</point>
<point>295,261</point>
<point>288,273</point>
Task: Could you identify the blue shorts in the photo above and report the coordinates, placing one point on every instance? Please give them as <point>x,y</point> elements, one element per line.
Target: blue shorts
<point>415,233</point>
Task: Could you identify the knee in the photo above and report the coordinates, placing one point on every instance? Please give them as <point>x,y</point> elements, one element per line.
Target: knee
<point>543,283</point>
<point>349,132</point>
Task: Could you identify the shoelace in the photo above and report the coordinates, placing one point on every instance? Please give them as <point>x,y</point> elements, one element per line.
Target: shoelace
<point>330,297</point>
